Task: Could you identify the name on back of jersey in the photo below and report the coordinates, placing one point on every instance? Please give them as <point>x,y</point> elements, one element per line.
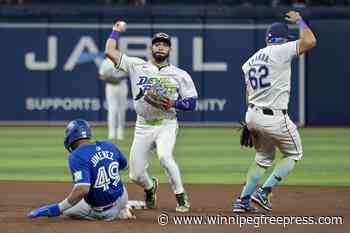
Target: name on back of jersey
<point>101,155</point>
<point>261,57</point>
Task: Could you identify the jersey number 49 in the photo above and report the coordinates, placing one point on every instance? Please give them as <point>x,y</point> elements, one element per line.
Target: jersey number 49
<point>258,77</point>
<point>104,178</point>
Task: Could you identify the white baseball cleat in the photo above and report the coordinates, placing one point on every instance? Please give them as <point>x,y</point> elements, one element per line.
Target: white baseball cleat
<point>126,213</point>
<point>136,205</point>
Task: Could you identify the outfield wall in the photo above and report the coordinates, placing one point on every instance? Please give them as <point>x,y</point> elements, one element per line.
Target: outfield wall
<point>50,73</point>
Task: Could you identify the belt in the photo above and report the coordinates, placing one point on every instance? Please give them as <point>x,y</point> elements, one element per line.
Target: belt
<point>154,122</point>
<point>104,208</point>
<point>268,111</point>
<point>157,121</point>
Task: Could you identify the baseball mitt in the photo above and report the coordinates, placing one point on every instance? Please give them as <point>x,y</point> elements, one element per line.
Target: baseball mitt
<point>246,138</point>
<point>155,96</point>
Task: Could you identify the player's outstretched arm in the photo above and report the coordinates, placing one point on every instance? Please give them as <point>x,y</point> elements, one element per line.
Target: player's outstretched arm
<point>307,38</point>
<point>55,210</point>
<point>111,48</point>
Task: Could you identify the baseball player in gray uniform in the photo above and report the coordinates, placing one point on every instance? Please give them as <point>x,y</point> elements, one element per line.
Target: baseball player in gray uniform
<point>267,75</point>
<point>156,124</point>
<point>116,96</point>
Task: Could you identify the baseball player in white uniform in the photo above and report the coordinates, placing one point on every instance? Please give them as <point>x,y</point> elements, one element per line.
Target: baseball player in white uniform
<point>156,127</point>
<point>268,78</point>
<point>116,96</point>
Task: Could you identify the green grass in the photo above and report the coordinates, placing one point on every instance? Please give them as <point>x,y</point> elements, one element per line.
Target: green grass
<point>204,156</point>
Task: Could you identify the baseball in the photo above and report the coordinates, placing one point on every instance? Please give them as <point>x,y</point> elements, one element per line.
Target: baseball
<point>121,26</point>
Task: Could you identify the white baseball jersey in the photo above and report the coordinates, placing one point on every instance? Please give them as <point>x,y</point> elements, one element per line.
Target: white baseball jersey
<point>107,69</point>
<point>144,74</point>
<point>267,75</point>
<point>117,98</point>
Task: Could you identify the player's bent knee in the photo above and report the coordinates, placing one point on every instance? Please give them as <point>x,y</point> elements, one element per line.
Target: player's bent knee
<point>167,161</point>
<point>136,176</point>
<point>132,177</point>
<point>295,157</point>
<point>264,159</point>
<point>262,166</point>
<point>265,163</point>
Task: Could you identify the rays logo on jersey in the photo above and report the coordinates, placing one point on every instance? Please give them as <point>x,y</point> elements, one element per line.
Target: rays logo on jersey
<point>163,85</point>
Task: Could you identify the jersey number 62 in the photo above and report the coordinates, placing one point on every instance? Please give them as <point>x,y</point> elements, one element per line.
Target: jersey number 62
<point>258,77</point>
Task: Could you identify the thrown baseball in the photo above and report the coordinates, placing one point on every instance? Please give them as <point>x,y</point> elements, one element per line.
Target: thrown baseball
<point>121,26</point>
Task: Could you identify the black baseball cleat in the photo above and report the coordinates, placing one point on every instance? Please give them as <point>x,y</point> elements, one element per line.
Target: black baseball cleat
<point>183,205</point>
<point>151,195</point>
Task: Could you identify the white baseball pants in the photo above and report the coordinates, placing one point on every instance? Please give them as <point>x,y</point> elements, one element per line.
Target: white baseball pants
<point>116,96</point>
<point>271,131</point>
<point>162,137</point>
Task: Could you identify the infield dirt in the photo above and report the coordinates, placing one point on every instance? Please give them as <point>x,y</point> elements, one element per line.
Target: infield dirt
<point>18,198</point>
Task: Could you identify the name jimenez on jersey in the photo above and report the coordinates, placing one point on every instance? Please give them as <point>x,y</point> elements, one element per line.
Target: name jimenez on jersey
<point>101,155</point>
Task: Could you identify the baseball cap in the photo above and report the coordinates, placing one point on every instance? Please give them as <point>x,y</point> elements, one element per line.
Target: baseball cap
<point>161,36</point>
<point>277,32</point>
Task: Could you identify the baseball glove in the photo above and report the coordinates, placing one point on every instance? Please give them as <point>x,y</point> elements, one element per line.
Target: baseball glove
<point>155,96</point>
<point>246,138</point>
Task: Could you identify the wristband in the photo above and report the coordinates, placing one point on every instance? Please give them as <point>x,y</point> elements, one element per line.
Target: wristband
<point>301,24</point>
<point>114,35</point>
<point>186,104</point>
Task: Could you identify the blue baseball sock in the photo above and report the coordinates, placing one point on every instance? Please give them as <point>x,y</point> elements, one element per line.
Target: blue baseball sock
<point>254,174</point>
<point>281,170</point>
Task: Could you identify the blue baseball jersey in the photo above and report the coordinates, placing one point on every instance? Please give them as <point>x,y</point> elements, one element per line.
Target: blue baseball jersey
<point>98,165</point>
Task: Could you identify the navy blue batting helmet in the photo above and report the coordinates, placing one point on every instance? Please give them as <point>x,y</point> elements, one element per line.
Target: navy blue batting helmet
<point>161,36</point>
<point>76,130</point>
<point>277,33</point>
